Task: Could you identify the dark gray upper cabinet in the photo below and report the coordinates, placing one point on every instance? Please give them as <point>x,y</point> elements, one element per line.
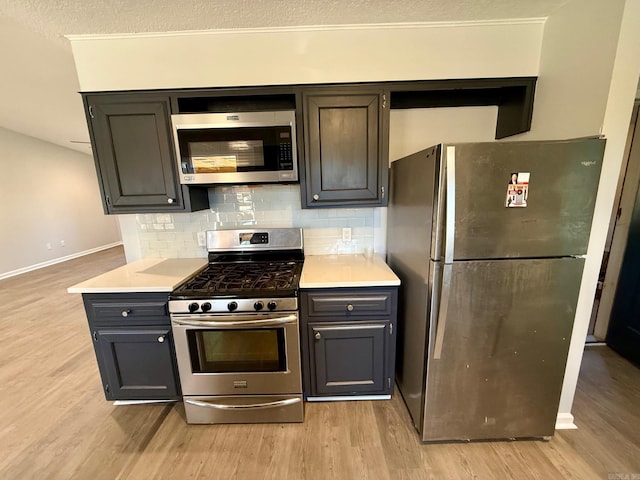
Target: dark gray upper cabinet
<point>133,150</point>
<point>342,134</point>
<point>346,159</point>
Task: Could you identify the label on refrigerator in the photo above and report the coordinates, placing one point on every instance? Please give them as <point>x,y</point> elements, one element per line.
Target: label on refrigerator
<point>517,190</point>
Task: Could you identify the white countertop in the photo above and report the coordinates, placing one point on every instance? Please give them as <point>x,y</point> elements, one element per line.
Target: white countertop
<point>145,275</point>
<point>335,271</point>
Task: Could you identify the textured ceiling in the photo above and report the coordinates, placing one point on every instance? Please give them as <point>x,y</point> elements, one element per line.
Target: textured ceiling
<point>39,86</point>
<point>59,17</point>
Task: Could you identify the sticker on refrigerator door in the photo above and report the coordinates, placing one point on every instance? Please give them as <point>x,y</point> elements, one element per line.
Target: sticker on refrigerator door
<point>517,190</point>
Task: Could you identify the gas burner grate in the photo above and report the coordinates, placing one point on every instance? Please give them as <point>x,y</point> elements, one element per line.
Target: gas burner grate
<point>244,277</point>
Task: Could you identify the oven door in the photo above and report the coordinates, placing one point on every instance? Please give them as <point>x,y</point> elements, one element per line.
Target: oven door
<point>252,354</point>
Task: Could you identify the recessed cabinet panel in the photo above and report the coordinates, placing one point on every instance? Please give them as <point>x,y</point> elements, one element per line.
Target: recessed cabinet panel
<point>346,160</point>
<point>137,363</point>
<point>349,358</point>
<point>136,158</point>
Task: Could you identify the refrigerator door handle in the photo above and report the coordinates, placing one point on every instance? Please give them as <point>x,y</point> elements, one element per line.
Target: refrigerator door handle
<point>450,216</point>
<point>442,311</point>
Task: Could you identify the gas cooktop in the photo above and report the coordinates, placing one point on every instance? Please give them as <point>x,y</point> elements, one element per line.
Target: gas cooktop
<point>248,271</point>
<point>252,279</point>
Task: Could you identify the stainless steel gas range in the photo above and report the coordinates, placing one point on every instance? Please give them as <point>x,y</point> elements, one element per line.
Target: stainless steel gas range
<point>235,327</point>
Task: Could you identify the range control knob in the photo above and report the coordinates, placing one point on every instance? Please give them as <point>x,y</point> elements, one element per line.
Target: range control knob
<point>232,306</point>
<point>193,307</point>
<point>206,306</point>
<point>258,305</point>
<point>272,305</point>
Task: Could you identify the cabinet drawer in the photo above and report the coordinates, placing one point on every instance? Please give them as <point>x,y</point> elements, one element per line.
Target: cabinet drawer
<point>127,310</point>
<point>351,303</point>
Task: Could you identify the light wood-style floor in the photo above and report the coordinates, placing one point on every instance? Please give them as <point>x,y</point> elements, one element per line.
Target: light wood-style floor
<point>55,423</point>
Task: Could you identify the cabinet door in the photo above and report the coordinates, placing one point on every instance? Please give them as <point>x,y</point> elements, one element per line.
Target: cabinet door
<point>349,358</point>
<point>136,364</point>
<point>346,159</point>
<point>134,154</point>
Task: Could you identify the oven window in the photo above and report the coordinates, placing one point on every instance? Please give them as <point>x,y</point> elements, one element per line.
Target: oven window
<point>223,351</point>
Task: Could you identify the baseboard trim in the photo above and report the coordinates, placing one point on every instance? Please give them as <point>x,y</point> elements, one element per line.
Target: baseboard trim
<point>564,421</point>
<point>343,398</point>
<point>54,261</point>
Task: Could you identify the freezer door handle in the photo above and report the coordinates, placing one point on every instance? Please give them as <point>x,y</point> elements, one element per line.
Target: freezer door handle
<point>450,215</point>
<point>442,311</point>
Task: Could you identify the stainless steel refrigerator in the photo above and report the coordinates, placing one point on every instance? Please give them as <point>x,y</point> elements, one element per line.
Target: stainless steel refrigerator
<point>488,240</point>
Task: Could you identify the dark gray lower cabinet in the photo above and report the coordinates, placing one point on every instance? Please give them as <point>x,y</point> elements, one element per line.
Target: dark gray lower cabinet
<point>136,363</point>
<point>131,335</point>
<point>348,341</point>
<point>349,359</point>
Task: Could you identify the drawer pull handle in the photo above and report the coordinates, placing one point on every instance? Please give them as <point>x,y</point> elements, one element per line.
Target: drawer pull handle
<point>161,339</point>
<point>125,313</point>
<point>350,308</point>
<point>318,336</point>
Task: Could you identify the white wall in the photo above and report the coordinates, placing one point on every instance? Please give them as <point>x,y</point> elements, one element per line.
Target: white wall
<point>308,55</point>
<point>413,130</point>
<point>49,194</point>
<point>39,94</point>
<point>578,52</point>
<point>589,70</point>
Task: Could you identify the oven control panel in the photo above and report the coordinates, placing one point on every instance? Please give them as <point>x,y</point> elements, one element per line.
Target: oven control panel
<point>239,305</point>
<point>257,238</point>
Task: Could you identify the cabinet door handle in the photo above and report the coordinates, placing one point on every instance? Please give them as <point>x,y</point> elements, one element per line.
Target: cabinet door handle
<point>170,200</point>
<point>317,336</point>
<point>350,308</point>
<point>161,339</point>
<point>125,313</point>
<point>91,111</point>
<point>316,197</point>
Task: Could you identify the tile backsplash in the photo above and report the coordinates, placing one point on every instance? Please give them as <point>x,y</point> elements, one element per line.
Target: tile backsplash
<point>234,207</point>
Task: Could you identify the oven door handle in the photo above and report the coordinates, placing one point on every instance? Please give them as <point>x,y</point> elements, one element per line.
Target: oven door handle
<point>220,406</point>
<point>266,322</point>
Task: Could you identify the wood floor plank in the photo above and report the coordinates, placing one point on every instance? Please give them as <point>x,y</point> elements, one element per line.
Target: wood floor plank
<point>55,423</point>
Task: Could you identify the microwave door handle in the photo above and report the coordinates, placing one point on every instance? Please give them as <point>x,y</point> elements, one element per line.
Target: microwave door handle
<point>221,406</point>
<point>267,322</point>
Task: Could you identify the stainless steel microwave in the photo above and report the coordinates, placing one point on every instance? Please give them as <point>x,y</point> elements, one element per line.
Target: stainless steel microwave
<point>237,148</point>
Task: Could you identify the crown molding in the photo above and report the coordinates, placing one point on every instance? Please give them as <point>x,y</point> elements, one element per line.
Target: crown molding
<point>314,28</point>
